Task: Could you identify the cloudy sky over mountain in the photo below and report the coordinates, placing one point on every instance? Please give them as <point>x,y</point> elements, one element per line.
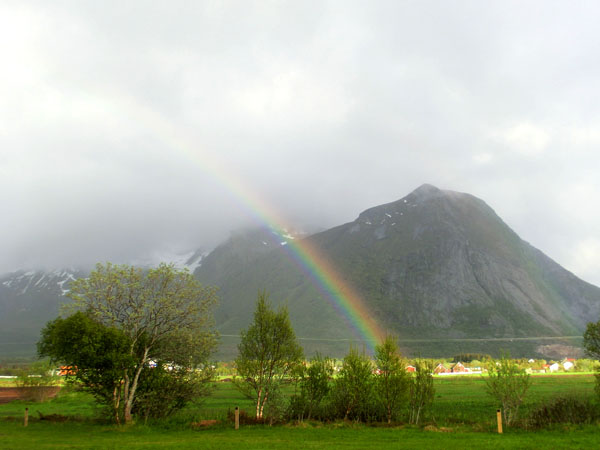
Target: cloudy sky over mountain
<point>134,127</point>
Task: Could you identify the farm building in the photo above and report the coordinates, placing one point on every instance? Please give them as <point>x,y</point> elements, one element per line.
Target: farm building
<point>440,368</point>
<point>458,368</point>
<point>568,365</point>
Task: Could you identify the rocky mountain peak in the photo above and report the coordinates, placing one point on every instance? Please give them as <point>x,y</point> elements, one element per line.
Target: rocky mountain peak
<point>426,190</point>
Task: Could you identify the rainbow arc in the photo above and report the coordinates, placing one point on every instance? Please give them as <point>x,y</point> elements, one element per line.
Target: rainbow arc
<point>321,272</point>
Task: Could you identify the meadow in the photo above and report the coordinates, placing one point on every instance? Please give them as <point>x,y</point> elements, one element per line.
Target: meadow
<point>463,415</point>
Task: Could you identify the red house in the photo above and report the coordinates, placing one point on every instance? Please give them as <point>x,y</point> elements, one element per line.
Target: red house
<point>458,368</point>
<point>440,368</point>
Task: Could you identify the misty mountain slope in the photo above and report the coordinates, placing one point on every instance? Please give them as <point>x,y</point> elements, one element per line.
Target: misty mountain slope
<point>27,301</point>
<point>435,264</point>
<point>255,260</point>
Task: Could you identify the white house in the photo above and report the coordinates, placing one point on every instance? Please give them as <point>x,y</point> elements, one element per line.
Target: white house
<point>568,365</point>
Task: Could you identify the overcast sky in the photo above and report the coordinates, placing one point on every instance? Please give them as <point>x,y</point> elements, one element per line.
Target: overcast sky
<point>124,125</point>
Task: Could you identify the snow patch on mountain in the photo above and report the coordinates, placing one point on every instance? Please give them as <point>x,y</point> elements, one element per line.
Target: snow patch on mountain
<point>22,282</point>
<point>181,260</point>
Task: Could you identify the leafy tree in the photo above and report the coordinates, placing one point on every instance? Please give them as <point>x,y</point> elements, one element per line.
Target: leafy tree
<point>422,390</point>
<point>268,354</point>
<point>508,384</point>
<point>96,355</point>
<point>135,316</point>
<point>591,339</point>
<point>591,344</point>
<point>392,381</point>
<point>353,388</point>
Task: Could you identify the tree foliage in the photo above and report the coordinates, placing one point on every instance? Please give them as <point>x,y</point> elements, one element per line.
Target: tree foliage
<point>392,381</point>
<point>591,344</point>
<point>164,389</point>
<point>422,391</point>
<point>126,318</point>
<point>267,354</point>
<point>94,354</point>
<point>353,388</point>
<point>591,340</point>
<point>314,385</point>
<point>508,384</point>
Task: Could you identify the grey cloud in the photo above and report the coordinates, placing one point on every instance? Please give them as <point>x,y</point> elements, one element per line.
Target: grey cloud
<point>125,126</point>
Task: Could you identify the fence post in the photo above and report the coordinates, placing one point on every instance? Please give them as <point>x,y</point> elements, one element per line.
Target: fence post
<point>26,420</point>
<point>499,417</point>
<point>237,417</point>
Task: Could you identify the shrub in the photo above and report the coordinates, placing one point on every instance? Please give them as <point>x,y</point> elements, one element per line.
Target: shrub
<point>163,391</point>
<point>563,410</point>
<point>508,384</point>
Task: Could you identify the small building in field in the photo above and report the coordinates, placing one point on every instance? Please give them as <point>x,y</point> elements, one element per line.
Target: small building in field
<point>411,368</point>
<point>458,368</point>
<point>440,368</point>
<point>568,365</point>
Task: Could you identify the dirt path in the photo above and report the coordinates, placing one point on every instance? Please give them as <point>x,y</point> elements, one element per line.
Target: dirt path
<point>8,394</point>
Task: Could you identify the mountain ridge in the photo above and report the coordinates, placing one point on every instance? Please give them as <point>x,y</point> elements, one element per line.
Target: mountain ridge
<point>435,265</point>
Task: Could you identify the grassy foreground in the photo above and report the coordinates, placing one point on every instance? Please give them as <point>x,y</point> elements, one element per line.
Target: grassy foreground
<point>463,417</point>
<point>76,435</point>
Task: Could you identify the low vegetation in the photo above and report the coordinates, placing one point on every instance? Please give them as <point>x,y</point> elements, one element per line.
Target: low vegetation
<point>462,414</point>
<point>508,384</point>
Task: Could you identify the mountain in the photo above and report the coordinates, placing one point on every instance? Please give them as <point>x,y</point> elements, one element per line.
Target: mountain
<point>29,299</point>
<point>438,268</point>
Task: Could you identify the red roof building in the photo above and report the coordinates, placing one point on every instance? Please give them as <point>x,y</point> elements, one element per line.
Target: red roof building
<point>458,368</point>
<point>440,368</point>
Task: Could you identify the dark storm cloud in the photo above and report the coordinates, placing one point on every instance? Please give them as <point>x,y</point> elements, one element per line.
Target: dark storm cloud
<point>123,125</point>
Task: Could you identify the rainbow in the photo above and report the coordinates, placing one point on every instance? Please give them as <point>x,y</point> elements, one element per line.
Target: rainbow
<point>336,290</point>
<point>321,272</point>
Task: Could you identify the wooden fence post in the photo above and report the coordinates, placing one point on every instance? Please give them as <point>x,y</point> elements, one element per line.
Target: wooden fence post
<point>237,417</point>
<point>499,417</point>
<point>26,420</point>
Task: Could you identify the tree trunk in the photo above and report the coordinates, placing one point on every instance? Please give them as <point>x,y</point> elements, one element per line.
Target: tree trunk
<point>116,402</point>
<point>258,403</point>
<point>262,407</point>
<point>131,397</point>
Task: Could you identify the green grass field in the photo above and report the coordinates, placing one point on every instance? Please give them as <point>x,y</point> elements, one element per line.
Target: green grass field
<point>463,416</point>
